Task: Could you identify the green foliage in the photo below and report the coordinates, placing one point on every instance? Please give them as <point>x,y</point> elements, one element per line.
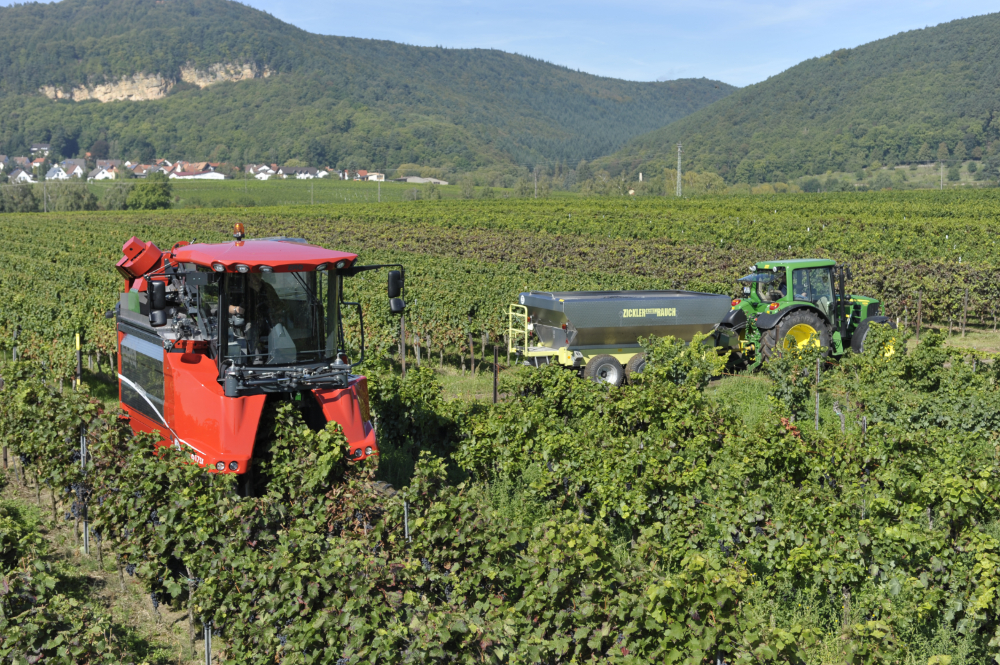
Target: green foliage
<point>116,196</point>
<point>476,257</point>
<point>671,360</point>
<point>68,197</point>
<point>795,375</point>
<point>805,122</point>
<point>324,100</point>
<point>152,194</point>
<point>18,198</point>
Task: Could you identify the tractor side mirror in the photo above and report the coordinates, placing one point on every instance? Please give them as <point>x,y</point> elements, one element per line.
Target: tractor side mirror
<point>395,284</point>
<point>396,306</point>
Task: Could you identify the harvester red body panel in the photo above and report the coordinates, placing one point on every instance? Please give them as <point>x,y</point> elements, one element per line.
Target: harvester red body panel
<point>249,322</point>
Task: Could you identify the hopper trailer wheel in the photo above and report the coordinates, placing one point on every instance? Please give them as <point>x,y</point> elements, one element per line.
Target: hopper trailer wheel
<point>604,369</point>
<point>635,365</point>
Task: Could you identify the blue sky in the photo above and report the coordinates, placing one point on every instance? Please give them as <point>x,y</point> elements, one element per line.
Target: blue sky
<point>641,40</point>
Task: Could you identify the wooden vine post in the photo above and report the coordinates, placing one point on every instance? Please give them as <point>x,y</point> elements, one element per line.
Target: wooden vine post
<point>818,363</point>
<point>402,343</point>
<point>496,374</point>
<point>918,316</point>
<point>965,310</point>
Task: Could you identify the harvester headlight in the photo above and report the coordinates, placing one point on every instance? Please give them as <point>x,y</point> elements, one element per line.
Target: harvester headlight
<point>218,267</point>
<point>220,466</point>
<point>753,268</point>
<point>242,268</point>
<point>368,450</point>
<point>322,266</point>
<point>233,466</point>
<point>266,269</point>
<point>341,264</point>
<point>357,452</point>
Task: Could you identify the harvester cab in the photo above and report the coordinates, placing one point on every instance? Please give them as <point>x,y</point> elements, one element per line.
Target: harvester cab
<point>208,333</point>
<point>801,302</point>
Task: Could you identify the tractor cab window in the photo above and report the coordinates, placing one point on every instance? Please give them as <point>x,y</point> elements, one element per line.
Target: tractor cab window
<point>772,286</point>
<point>814,285</point>
<point>280,318</point>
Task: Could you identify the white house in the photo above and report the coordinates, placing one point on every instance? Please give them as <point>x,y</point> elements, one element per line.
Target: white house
<point>376,177</point>
<point>263,175</point>
<point>101,173</point>
<point>56,173</point>
<point>74,168</point>
<point>40,149</point>
<point>197,175</point>
<point>322,173</point>
<point>21,177</point>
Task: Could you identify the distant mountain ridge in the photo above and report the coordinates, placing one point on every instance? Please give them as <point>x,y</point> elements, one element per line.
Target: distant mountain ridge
<point>895,100</point>
<point>216,79</point>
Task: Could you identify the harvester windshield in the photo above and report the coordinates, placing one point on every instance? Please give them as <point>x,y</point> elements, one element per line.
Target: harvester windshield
<point>281,318</point>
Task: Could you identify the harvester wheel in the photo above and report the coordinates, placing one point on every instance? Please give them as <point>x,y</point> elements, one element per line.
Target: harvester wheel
<point>799,328</point>
<point>604,369</point>
<point>383,488</point>
<point>635,365</point>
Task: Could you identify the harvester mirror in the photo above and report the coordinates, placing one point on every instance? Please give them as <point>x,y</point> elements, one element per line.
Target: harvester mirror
<point>157,295</point>
<point>395,284</point>
<point>396,306</point>
<point>157,304</point>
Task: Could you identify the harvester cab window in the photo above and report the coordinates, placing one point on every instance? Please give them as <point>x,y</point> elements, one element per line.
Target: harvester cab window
<point>814,285</point>
<point>208,305</point>
<point>277,318</point>
<point>773,286</point>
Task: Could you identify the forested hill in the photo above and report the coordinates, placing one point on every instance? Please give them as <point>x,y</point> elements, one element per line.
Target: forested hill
<point>895,100</point>
<point>215,79</point>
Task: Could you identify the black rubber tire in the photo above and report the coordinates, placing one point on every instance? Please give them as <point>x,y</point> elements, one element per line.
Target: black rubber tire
<point>604,369</point>
<point>772,341</point>
<point>383,488</point>
<point>858,338</point>
<point>635,365</point>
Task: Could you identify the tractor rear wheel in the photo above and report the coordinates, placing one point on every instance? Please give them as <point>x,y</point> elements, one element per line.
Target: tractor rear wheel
<point>604,369</point>
<point>797,329</point>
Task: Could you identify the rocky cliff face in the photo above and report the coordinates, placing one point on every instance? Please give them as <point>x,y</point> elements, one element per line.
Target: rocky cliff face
<point>144,87</point>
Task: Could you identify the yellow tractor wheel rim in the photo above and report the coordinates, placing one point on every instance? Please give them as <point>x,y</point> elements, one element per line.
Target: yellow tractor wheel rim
<point>803,334</point>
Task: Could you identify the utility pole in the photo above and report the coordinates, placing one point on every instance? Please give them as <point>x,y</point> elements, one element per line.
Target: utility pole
<point>678,169</point>
<point>312,196</point>
<point>536,182</point>
<point>942,175</point>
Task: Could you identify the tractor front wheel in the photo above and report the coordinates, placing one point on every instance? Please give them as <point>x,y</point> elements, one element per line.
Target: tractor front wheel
<point>797,329</point>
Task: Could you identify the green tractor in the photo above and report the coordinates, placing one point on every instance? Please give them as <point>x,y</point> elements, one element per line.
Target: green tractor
<point>801,300</point>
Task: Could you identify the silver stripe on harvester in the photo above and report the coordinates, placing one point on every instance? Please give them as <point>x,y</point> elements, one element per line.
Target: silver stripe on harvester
<point>142,393</point>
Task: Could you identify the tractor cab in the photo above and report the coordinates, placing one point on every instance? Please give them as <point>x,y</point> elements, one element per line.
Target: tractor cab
<point>208,333</point>
<point>796,303</point>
